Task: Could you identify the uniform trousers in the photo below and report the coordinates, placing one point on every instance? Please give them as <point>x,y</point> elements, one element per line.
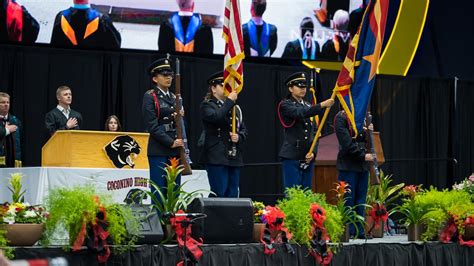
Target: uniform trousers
<point>293,175</point>
<point>358,184</point>
<point>224,180</point>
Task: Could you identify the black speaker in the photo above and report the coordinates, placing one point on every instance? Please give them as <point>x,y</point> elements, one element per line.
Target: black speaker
<point>151,231</point>
<point>229,220</point>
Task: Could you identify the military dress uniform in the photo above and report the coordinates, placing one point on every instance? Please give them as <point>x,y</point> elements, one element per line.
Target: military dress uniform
<point>223,168</point>
<point>299,132</point>
<point>351,164</point>
<point>157,110</point>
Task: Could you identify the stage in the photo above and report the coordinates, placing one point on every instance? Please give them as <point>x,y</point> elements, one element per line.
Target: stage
<point>390,250</point>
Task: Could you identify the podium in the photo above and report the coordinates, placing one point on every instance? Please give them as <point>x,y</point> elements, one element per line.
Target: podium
<point>96,149</point>
<point>325,172</point>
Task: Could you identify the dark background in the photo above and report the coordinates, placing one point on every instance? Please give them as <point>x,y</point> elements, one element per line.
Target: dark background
<point>445,48</point>
<point>424,122</point>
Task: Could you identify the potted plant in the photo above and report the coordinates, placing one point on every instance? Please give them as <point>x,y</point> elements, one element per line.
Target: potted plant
<point>22,222</point>
<point>348,213</point>
<point>440,207</point>
<point>379,198</point>
<point>258,224</point>
<point>91,219</point>
<point>173,198</point>
<point>412,212</point>
<point>298,220</point>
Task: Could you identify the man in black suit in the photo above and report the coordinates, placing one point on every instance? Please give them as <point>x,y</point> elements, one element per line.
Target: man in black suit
<point>222,149</point>
<point>305,47</point>
<point>158,114</point>
<point>260,37</point>
<point>10,125</point>
<point>16,24</point>
<point>63,117</point>
<point>296,117</point>
<point>185,32</point>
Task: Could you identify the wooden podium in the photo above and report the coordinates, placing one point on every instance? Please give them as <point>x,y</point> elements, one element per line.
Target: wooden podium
<point>325,173</point>
<point>80,148</point>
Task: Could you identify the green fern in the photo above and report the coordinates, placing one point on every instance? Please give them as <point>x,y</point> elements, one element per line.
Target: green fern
<point>296,207</point>
<point>70,208</point>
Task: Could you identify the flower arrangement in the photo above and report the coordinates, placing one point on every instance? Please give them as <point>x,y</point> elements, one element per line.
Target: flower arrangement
<point>82,211</point>
<point>19,211</point>
<point>258,211</point>
<point>466,185</point>
<point>298,220</point>
<point>22,213</point>
<point>443,210</point>
<point>410,208</point>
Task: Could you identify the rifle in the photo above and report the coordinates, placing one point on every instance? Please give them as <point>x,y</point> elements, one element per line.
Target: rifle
<point>184,158</point>
<point>374,167</point>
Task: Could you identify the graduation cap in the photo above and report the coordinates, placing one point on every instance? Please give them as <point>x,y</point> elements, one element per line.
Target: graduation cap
<point>296,79</point>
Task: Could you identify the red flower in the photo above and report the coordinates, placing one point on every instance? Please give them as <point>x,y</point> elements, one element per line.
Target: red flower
<point>318,214</point>
<point>274,217</point>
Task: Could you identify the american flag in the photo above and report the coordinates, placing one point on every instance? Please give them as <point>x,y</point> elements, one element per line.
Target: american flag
<point>234,47</point>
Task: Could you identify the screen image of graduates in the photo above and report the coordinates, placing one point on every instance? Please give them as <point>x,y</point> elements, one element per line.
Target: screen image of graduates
<point>83,26</point>
<point>305,47</point>
<point>260,37</point>
<point>16,23</point>
<point>184,31</point>
<point>336,48</point>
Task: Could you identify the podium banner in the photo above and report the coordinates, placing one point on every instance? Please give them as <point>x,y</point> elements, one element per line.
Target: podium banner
<point>119,183</point>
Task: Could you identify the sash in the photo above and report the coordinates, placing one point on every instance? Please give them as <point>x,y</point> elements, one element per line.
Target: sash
<point>303,50</point>
<point>184,42</point>
<point>262,48</point>
<point>92,26</point>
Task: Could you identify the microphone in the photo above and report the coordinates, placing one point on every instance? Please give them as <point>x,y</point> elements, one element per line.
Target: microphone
<point>187,215</point>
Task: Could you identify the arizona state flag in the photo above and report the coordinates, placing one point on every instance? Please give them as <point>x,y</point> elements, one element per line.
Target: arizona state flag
<point>234,47</point>
<point>357,77</point>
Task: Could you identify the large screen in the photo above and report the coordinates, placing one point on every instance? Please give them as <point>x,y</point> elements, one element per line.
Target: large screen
<point>300,29</point>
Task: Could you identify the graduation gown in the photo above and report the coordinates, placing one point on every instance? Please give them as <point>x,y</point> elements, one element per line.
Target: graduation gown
<point>185,29</point>
<point>263,39</point>
<point>293,50</point>
<point>16,24</point>
<point>84,28</point>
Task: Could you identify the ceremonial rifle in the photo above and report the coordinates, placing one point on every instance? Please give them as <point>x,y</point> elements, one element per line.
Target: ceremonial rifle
<point>374,167</point>
<point>184,158</point>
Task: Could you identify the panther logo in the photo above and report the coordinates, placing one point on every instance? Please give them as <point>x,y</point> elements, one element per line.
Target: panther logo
<point>135,196</point>
<point>122,150</point>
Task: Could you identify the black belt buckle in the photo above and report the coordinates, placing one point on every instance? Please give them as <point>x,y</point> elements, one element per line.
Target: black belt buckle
<point>303,165</point>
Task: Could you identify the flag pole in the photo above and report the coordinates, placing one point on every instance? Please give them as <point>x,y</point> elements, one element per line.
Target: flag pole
<point>320,127</point>
<point>233,110</point>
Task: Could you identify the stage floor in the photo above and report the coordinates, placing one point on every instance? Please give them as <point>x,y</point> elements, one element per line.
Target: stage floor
<point>390,250</point>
